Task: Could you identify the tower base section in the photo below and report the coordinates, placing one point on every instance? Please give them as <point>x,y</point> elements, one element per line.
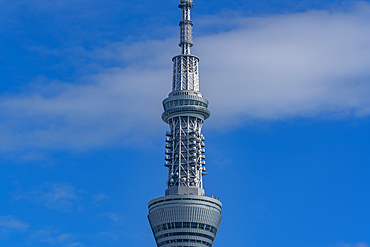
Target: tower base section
<point>184,220</point>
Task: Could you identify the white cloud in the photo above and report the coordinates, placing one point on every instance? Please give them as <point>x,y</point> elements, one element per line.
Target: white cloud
<point>352,245</point>
<point>59,196</point>
<point>362,245</point>
<point>10,222</point>
<point>99,197</point>
<point>61,238</point>
<point>52,237</point>
<point>113,217</point>
<point>76,244</point>
<point>111,235</point>
<point>297,65</point>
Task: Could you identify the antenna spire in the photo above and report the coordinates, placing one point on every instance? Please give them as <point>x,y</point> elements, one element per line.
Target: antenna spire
<point>186,26</point>
<point>185,216</point>
<point>185,66</point>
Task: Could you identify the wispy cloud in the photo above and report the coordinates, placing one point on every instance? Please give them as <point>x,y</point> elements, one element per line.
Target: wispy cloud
<point>297,65</point>
<point>59,196</point>
<point>114,217</point>
<point>52,237</point>
<point>99,197</point>
<point>76,244</point>
<point>352,245</point>
<point>110,235</point>
<point>11,222</point>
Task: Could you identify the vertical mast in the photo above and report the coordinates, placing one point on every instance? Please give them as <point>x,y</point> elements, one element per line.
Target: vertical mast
<point>186,26</point>
<point>185,111</point>
<point>185,216</point>
<point>185,66</point>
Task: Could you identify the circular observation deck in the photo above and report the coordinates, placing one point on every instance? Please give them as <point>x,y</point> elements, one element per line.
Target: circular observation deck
<point>185,220</point>
<point>185,104</point>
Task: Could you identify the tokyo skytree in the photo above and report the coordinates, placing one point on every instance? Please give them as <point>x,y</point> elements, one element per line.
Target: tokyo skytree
<point>185,217</point>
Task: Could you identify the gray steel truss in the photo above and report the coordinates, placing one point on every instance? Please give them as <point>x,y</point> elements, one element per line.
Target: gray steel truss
<point>185,66</point>
<point>185,217</point>
<point>185,73</point>
<point>184,152</point>
<point>186,26</point>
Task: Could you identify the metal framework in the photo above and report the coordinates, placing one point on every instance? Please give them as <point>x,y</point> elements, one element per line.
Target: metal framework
<point>185,217</point>
<point>185,112</point>
<point>185,66</point>
<point>185,73</point>
<point>186,26</point>
<point>184,153</point>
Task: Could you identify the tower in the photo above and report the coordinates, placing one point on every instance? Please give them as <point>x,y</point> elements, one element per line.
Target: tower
<point>185,217</point>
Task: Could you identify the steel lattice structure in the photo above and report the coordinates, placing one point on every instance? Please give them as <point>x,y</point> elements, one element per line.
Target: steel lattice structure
<point>185,217</point>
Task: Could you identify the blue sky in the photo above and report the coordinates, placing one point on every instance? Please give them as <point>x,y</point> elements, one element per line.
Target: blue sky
<point>82,142</point>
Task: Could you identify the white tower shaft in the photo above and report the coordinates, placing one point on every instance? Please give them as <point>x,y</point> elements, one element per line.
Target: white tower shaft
<point>185,66</point>
<point>185,217</point>
<point>185,112</point>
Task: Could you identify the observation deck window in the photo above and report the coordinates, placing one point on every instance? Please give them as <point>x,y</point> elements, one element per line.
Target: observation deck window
<point>182,102</point>
<point>173,225</point>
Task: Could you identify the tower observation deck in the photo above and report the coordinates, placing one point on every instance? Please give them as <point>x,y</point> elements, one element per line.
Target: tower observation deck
<point>185,217</point>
